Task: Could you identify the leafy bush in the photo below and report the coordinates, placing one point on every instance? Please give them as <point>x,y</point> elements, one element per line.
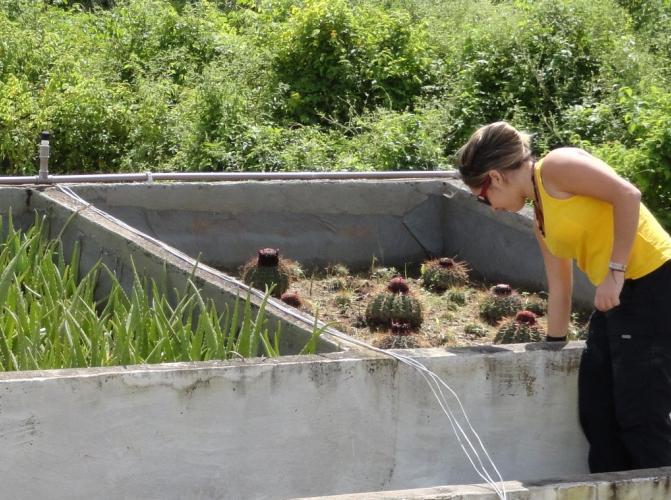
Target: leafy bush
<point>644,153</point>
<point>388,140</point>
<point>214,122</point>
<point>90,121</point>
<point>18,133</point>
<point>152,38</point>
<point>337,60</point>
<point>652,21</point>
<point>319,85</point>
<point>529,61</point>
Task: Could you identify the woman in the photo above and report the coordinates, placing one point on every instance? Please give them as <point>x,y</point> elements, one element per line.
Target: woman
<point>587,213</point>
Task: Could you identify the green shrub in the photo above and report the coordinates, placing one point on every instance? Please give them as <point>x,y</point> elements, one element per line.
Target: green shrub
<point>18,131</point>
<point>90,122</point>
<point>652,21</point>
<point>527,62</point>
<point>644,154</point>
<point>151,37</point>
<point>215,121</point>
<point>324,85</point>
<point>336,60</point>
<point>391,140</point>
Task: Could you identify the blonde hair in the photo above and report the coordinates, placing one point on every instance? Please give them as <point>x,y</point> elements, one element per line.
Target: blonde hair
<point>497,146</point>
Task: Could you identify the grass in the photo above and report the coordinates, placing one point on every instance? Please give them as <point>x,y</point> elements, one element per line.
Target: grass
<point>51,319</point>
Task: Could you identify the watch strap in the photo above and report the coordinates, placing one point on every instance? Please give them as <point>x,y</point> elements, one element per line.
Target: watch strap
<point>615,266</point>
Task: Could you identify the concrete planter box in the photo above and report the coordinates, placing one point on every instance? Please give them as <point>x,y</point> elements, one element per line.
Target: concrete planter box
<point>344,422</point>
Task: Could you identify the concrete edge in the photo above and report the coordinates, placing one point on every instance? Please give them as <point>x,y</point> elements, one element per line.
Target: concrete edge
<point>602,486</point>
<point>421,354</point>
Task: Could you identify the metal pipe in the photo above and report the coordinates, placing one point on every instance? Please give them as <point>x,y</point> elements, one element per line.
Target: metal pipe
<point>44,157</point>
<point>225,176</point>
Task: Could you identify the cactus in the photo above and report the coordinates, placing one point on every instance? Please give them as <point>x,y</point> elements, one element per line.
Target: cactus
<point>338,270</point>
<point>476,330</point>
<point>440,274</point>
<point>520,330</point>
<point>395,303</point>
<point>400,337</point>
<point>384,273</point>
<point>501,301</point>
<point>343,300</point>
<point>537,306</point>
<point>335,284</point>
<point>292,299</point>
<point>268,268</point>
<point>456,298</point>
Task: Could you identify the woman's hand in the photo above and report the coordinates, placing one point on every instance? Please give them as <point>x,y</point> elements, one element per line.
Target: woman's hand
<point>608,292</point>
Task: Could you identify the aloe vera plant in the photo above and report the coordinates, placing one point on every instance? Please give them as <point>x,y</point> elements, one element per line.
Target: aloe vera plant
<point>50,319</point>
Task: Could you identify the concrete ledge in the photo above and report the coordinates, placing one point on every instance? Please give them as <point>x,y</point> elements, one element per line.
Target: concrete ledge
<point>643,484</point>
<point>337,423</point>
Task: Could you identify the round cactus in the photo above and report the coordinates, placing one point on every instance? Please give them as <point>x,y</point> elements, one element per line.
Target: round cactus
<point>292,299</point>
<point>268,268</point>
<point>537,306</point>
<point>520,330</point>
<point>400,337</point>
<point>338,270</point>
<point>395,303</point>
<point>397,342</point>
<point>440,274</point>
<point>383,273</point>
<point>343,300</point>
<point>501,301</point>
<point>476,330</point>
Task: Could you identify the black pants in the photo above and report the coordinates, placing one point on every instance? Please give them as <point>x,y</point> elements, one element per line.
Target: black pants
<point>624,382</point>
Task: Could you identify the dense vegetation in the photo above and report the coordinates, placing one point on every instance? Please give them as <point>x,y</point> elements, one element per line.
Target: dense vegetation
<point>128,85</point>
<point>50,317</point>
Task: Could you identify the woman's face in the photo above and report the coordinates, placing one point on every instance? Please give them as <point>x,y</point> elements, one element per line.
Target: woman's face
<point>501,193</point>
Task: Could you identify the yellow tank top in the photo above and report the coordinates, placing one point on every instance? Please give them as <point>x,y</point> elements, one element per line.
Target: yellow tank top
<point>581,228</point>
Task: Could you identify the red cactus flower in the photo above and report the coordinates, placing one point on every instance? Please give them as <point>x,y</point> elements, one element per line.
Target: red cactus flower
<point>292,299</point>
<point>502,290</point>
<point>526,318</point>
<point>268,257</point>
<point>446,262</point>
<point>398,285</point>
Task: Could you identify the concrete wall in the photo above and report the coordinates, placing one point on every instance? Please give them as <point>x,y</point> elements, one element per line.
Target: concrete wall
<point>302,426</point>
<point>16,200</point>
<point>397,222</point>
<point>315,222</point>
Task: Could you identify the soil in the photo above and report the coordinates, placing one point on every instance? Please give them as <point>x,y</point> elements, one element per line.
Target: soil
<point>451,318</point>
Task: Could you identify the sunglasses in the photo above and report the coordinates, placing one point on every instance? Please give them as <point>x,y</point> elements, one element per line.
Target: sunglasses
<point>482,196</point>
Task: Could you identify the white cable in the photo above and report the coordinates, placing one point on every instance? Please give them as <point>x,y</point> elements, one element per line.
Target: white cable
<point>432,379</point>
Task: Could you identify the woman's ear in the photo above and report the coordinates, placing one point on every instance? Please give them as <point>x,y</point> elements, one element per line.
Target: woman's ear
<point>497,178</point>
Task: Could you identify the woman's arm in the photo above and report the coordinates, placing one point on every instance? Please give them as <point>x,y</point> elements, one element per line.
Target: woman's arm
<point>572,171</point>
<point>560,287</point>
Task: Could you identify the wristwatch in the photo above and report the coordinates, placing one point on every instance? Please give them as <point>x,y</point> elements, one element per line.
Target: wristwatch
<point>615,266</point>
